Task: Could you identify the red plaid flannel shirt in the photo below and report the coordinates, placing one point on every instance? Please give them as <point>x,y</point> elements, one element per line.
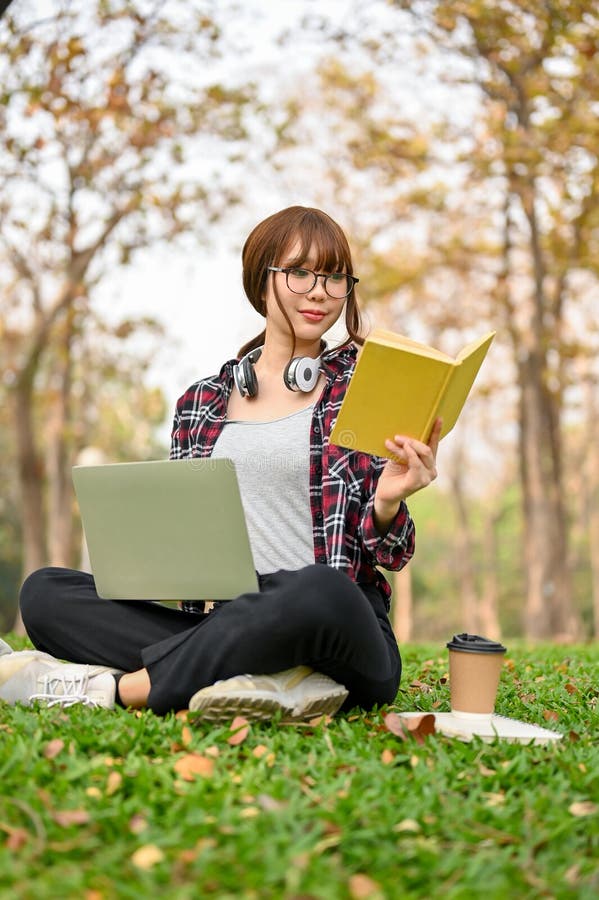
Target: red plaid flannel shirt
<point>342,482</point>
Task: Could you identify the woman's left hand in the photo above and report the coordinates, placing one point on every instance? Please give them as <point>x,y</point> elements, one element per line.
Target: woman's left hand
<point>414,469</point>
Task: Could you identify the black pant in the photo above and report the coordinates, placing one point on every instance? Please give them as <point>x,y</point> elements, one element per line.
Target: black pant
<point>315,616</point>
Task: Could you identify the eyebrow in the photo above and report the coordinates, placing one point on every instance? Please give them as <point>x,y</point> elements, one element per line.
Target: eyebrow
<point>307,264</point>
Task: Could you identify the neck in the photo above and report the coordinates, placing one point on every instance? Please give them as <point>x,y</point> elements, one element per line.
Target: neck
<point>275,354</point>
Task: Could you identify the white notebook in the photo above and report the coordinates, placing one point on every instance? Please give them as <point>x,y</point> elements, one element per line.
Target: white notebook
<point>488,729</point>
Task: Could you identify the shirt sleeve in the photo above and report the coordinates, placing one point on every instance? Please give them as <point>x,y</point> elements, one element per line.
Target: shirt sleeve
<point>176,451</point>
<point>394,549</point>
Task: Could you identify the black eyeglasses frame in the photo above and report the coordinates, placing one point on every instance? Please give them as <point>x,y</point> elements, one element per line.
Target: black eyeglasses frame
<point>317,275</point>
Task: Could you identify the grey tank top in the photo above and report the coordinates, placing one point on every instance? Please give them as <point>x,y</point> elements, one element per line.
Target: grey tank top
<point>272,460</point>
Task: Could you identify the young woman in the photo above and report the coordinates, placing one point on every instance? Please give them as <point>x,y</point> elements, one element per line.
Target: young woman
<point>321,520</point>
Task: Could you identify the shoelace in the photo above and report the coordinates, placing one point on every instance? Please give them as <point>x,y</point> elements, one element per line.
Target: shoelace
<point>62,690</point>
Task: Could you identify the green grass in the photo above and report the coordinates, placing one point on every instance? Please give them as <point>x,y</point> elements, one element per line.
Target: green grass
<point>299,812</point>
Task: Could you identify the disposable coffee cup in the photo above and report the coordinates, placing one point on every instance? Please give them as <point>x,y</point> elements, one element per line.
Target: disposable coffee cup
<point>474,669</point>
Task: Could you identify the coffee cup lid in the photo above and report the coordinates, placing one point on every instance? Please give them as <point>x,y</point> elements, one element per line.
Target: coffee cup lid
<point>474,643</point>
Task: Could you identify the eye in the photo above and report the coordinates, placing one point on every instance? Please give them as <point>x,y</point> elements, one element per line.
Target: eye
<point>300,273</point>
<point>337,277</point>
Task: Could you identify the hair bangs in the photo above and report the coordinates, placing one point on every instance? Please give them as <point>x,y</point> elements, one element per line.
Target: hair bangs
<point>323,244</point>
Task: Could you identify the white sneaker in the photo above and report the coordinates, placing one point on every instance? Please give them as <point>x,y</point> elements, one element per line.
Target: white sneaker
<point>298,693</point>
<point>5,648</point>
<point>31,675</point>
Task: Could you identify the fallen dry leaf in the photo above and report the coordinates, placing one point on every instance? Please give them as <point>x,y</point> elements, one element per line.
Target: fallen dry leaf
<point>259,751</point>
<point>137,823</point>
<point>147,856</point>
<point>53,748</point>
<point>571,876</point>
<point>323,719</point>
<point>186,735</point>
<point>550,715</point>
<point>395,725</point>
<point>194,765</point>
<point>240,728</point>
<point>362,887</point>
<point>270,804</point>
<point>191,854</point>
<point>418,685</point>
<point>46,798</point>
<point>250,812</point>
<point>17,837</point>
<point>494,799</point>
<point>571,688</point>
<point>417,726</point>
<point>583,808</point>
<point>410,825</point>
<point>66,817</point>
<point>326,843</point>
<point>387,757</point>
<point>113,783</point>
<point>421,726</point>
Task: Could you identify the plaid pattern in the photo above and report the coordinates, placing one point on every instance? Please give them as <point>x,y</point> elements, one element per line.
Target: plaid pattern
<point>342,482</point>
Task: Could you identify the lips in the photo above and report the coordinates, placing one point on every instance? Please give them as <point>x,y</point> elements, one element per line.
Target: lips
<point>313,315</point>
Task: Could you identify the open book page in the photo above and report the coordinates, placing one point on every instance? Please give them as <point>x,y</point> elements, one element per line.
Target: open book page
<point>401,341</point>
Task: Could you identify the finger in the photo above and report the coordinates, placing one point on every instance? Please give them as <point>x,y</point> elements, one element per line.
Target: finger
<point>423,452</point>
<point>421,471</point>
<point>396,450</point>
<point>419,446</point>
<point>435,436</point>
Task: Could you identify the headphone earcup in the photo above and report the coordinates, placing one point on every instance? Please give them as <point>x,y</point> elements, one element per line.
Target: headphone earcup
<point>301,374</point>
<point>245,377</point>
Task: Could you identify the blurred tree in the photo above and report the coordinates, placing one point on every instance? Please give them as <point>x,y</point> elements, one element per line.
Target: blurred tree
<point>495,222</point>
<point>112,137</point>
<point>10,532</point>
<point>536,157</point>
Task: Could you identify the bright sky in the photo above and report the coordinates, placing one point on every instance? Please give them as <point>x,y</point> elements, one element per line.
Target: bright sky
<point>199,297</point>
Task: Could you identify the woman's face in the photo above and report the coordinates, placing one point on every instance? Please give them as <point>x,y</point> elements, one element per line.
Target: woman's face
<point>312,313</point>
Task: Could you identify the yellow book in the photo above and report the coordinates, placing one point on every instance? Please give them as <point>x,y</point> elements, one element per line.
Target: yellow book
<point>400,387</point>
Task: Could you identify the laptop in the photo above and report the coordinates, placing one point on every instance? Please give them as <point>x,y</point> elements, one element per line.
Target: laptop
<point>166,530</point>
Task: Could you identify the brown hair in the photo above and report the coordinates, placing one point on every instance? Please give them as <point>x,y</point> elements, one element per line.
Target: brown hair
<point>266,246</point>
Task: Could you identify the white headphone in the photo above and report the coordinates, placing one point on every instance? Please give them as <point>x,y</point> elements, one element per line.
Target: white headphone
<point>301,374</point>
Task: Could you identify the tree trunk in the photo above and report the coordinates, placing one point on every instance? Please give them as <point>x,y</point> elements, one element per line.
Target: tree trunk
<point>60,491</point>
<point>549,604</point>
<point>402,605</point>
<point>488,610</point>
<point>30,469</point>
<point>549,599</point>
<point>464,553</point>
<point>593,498</point>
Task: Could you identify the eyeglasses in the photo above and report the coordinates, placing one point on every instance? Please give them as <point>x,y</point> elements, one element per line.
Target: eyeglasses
<point>338,285</point>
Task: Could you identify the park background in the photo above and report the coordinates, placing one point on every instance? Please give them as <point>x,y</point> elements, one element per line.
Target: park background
<point>456,142</point>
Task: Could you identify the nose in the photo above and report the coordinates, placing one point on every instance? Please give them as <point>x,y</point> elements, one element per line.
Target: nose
<point>318,291</point>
